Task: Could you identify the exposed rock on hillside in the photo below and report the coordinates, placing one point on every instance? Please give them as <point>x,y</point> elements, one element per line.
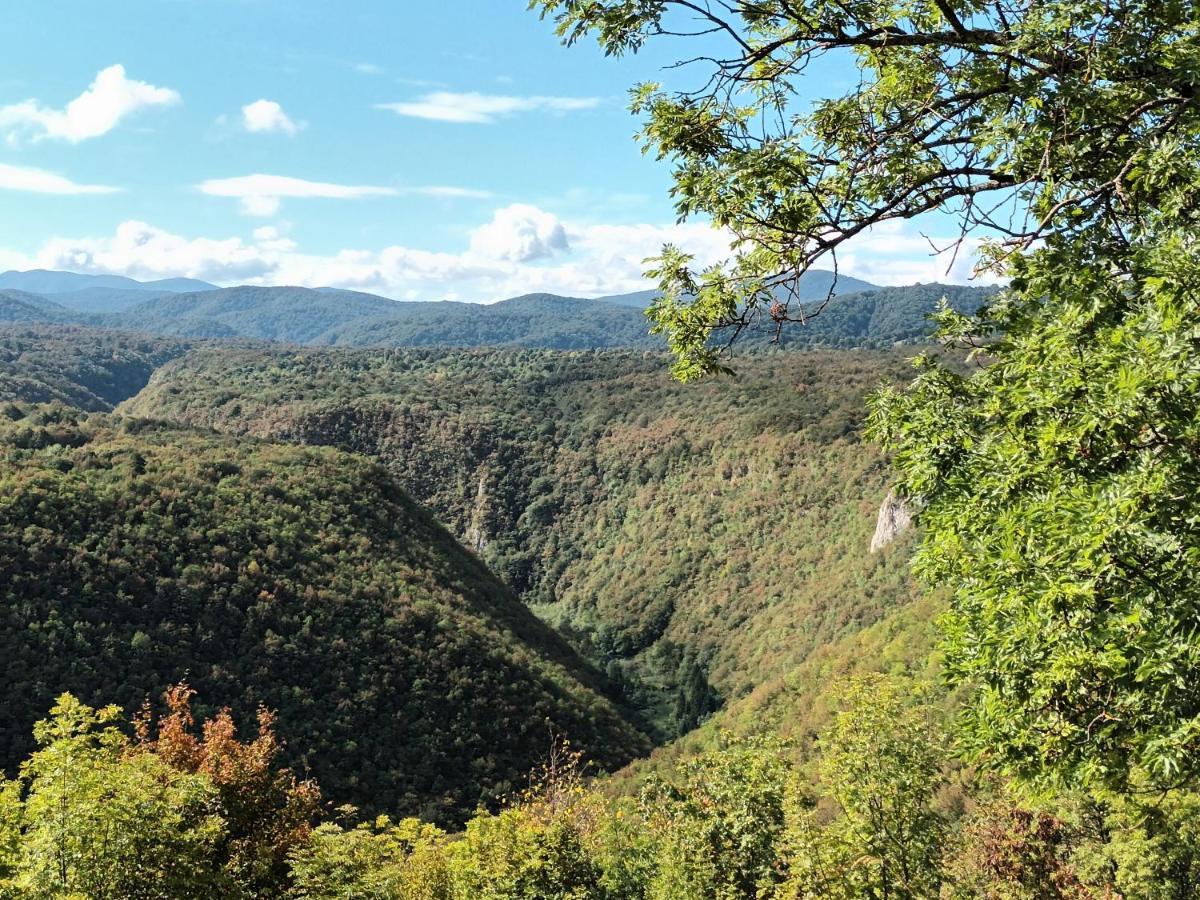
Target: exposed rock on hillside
<point>895,517</point>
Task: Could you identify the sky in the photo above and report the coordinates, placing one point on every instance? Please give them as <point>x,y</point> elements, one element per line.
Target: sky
<point>418,150</point>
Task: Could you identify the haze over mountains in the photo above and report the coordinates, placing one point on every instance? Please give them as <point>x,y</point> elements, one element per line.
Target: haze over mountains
<point>862,314</point>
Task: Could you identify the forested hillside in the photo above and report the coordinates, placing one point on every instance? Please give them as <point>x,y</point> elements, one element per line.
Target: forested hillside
<point>405,676</point>
<point>878,318</point>
<point>22,307</point>
<point>695,541</point>
<point>84,368</point>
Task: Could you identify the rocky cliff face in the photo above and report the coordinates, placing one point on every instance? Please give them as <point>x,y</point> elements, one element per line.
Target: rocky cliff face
<point>894,519</point>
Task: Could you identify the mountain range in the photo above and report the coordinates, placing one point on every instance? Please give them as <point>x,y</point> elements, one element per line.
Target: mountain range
<point>434,554</point>
<point>869,316</point>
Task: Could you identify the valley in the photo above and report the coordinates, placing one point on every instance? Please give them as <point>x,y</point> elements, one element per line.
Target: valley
<point>586,481</point>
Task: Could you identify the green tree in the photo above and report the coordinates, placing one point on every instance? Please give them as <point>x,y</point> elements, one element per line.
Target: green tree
<point>1059,488</point>
<point>1022,119</point>
<point>98,821</point>
<point>373,861</point>
<point>880,765</point>
<point>519,855</point>
<point>719,823</point>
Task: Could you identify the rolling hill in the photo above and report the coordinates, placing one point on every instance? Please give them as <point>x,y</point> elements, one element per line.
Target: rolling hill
<point>296,315</point>
<point>406,677</point>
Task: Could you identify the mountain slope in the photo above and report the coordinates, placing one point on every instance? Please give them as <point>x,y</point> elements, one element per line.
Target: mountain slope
<point>695,540</point>
<point>81,367</point>
<point>20,306</point>
<point>406,677</point>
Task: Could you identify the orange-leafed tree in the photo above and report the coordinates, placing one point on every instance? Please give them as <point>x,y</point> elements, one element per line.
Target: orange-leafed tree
<point>268,809</point>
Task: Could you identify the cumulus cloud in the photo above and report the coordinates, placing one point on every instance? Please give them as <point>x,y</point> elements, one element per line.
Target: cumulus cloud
<point>39,181</point>
<point>902,253</point>
<point>483,109</point>
<point>522,249</point>
<point>111,97</point>
<point>142,251</point>
<point>520,233</point>
<point>269,238</point>
<point>260,195</point>
<point>267,116</point>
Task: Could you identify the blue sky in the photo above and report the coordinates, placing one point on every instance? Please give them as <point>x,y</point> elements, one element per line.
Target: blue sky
<point>417,149</point>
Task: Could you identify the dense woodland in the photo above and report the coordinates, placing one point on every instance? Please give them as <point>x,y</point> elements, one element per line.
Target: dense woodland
<point>404,675</point>
<point>877,318</point>
<point>82,368</point>
<point>584,479</point>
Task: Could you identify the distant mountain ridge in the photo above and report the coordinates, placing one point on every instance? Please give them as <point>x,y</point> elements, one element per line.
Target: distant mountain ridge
<point>45,281</point>
<point>874,317</point>
<point>815,284</point>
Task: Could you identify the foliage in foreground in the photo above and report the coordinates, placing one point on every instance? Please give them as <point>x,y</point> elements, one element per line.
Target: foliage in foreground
<point>1059,486</point>
<point>179,812</point>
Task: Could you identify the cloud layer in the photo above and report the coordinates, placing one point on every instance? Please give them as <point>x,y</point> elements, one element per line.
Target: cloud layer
<point>260,195</point>
<point>483,109</point>
<point>521,249</point>
<point>111,97</point>
<point>39,181</point>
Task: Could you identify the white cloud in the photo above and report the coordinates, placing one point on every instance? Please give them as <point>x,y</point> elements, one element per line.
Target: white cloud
<point>902,253</point>
<point>520,233</point>
<point>142,251</point>
<point>110,98</point>
<point>268,116</point>
<point>39,181</point>
<point>483,109</point>
<point>269,238</point>
<point>448,192</point>
<point>522,249</point>
<point>368,69</point>
<point>260,195</point>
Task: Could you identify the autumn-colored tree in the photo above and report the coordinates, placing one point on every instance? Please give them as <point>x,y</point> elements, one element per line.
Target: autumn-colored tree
<point>1006,852</point>
<point>268,811</point>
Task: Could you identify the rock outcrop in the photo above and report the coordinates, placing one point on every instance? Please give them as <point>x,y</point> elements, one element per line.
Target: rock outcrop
<point>894,519</point>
